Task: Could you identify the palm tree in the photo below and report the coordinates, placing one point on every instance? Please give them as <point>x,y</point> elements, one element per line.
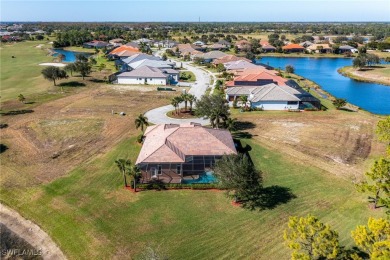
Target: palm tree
<point>185,98</point>
<point>179,99</point>
<point>230,124</point>
<point>124,168</point>
<point>191,99</point>
<point>174,103</point>
<point>135,173</point>
<point>244,99</point>
<point>141,121</point>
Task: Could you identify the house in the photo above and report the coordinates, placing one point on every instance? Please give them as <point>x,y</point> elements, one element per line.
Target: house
<point>144,40</point>
<point>165,44</point>
<point>133,44</point>
<point>243,45</point>
<point>293,48</point>
<point>95,44</point>
<point>116,42</point>
<point>347,49</point>
<point>199,43</point>
<point>266,97</point>
<point>320,48</point>
<point>124,62</point>
<point>152,63</point>
<point>258,79</point>
<point>217,46</point>
<point>225,43</point>
<point>174,153</point>
<point>210,56</point>
<point>123,51</point>
<point>268,48</point>
<point>306,44</point>
<point>144,75</point>
<point>239,65</point>
<point>187,49</point>
<point>229,58</point>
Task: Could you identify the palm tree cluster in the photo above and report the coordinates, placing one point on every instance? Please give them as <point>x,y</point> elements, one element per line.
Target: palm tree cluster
<point>186,98</point>
<point>126,168</point>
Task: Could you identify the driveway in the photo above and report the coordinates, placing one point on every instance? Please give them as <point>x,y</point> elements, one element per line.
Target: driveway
<point>198,88</point>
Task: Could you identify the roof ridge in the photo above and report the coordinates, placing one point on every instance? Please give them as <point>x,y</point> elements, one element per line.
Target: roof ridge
<point>207,130</point>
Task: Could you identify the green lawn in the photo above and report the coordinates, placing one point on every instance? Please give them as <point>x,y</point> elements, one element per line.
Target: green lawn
<point>22,74</point>
<point>187,72</point>
<point>90,215</point>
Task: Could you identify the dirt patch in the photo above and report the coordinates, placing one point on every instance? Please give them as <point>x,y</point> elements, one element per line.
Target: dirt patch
<point>59,135</point>
<point>337,142</point>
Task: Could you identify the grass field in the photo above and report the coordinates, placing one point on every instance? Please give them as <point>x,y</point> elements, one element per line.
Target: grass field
<point>89,214</point>
<point>22,74</point>
<point>187,72</point>
<point>378,74</point>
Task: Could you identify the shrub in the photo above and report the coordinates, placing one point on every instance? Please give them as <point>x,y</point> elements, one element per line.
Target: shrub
<point>140,138</point>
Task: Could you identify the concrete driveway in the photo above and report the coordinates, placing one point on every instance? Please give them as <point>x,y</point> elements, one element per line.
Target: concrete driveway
<point>198,88</point>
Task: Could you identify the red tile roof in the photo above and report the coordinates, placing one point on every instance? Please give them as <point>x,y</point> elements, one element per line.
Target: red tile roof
<point>125,48</point>
<point>259,76</point>
<point>172,143</point>
<point>293,46</point>
<point>229,58</point>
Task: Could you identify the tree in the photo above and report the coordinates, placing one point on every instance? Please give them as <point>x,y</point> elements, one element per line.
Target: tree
<point>84,68</point>
<point>174,103</point>
<point>53,73</point>
<point>221,67</point>
<point>383,132</point>
<point>92,61</point>
<point>290,69</point>
<point>81,57</point>
<point>135,173</point>
<point>124,167</point>
<point>359,62</point>
<point>230,124</point>
<point>141,121</point>
<point>374,239</point>
<point>185,98</point>
<point>21,98</point>
<point>379,184</point>
<point>238,175</point>
<point>191,99</point>
<point>372,59</point>
<point>311,239</point>
<point>70,67</point>
<point>164,57</point>
<point>214,107</point>
<point>244,99</point>
<point>339,102</point>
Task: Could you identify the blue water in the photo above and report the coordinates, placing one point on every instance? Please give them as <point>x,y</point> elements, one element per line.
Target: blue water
<point>369,96</point>
<point>70,56</point>
<point>207,177</point>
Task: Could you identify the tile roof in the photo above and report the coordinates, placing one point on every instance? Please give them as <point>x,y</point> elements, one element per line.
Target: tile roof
<point>262,75</point>
<point>173,142</point>
<point>211,55</point>
<point>125,48</point>
<point>144,72</point>
<point>269,92</point>
<point>229,58</point>
<point>314,46</point>
<point>240,64</point>
<point>140,56</point>
<point>152,63</point>
<point>293,46</point>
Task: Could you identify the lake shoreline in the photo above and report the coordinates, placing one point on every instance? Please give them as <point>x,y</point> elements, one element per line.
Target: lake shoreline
<point>347,71</point>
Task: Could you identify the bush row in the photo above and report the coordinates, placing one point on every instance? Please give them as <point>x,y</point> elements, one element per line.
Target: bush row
<point>166,186</point>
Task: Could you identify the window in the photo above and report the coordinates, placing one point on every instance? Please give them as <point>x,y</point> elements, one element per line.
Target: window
<point>292,102</point>
<point>153,172</point>
<point>178,169</point>
<point>159,169</point>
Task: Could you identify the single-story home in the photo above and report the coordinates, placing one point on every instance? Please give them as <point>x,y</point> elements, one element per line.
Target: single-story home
<point>144,75</point>
<point>217,46</point>
<point>243,45</point>
<point>152,63</point>
<point>268,48</point>
<point>95,44</point>
<point>210,56</point>
<point>229,58</point>
<point>239,65</point>
<point>347,48</point>
<point>174,153</point>
<point>257,79</point>
<point>123,52</point>
<point>306,44</point>
<point>320,48</point>
<point>116,42</point>
<point>225,43</point>
<point>293,48</point>
<point>269,97</point>
<point>165,44</point>
<point>199,43</point>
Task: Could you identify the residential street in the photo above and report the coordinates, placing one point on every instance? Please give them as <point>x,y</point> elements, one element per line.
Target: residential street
<point>158,115</point>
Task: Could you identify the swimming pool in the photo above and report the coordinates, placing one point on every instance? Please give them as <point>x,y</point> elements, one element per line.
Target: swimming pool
<point>207,177</point>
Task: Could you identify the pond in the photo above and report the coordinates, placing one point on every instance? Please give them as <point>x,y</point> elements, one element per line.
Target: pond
<point>70,56</point>
<point>372,97</point>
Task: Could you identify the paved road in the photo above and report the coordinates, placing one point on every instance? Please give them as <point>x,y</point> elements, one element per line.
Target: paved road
<point>158,115</point>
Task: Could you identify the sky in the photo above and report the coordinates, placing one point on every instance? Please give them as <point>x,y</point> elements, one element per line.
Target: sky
<point>190,11</point>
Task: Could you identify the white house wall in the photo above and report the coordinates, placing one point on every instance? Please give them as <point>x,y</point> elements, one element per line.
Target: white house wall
<point>150,81</point>
<point>274,105</point>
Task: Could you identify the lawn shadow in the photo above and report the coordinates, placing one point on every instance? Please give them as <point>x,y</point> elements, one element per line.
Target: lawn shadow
<point>242,135</point>
<point>3,126</point>
<point>72,84</point>
<point>347,109</point>
<point>273,196</point>
<point>29,102</point>
<point>3,148</point>
<point>97,80</point>
<point>16,112</point>
<point>244,125</point>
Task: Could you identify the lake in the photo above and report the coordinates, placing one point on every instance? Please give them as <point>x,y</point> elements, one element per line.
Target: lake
<point>70,56</point>
<point>372,97</point>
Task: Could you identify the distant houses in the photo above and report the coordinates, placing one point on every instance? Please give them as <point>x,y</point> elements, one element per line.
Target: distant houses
<point>293,47</point>
<point>96,44</point>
